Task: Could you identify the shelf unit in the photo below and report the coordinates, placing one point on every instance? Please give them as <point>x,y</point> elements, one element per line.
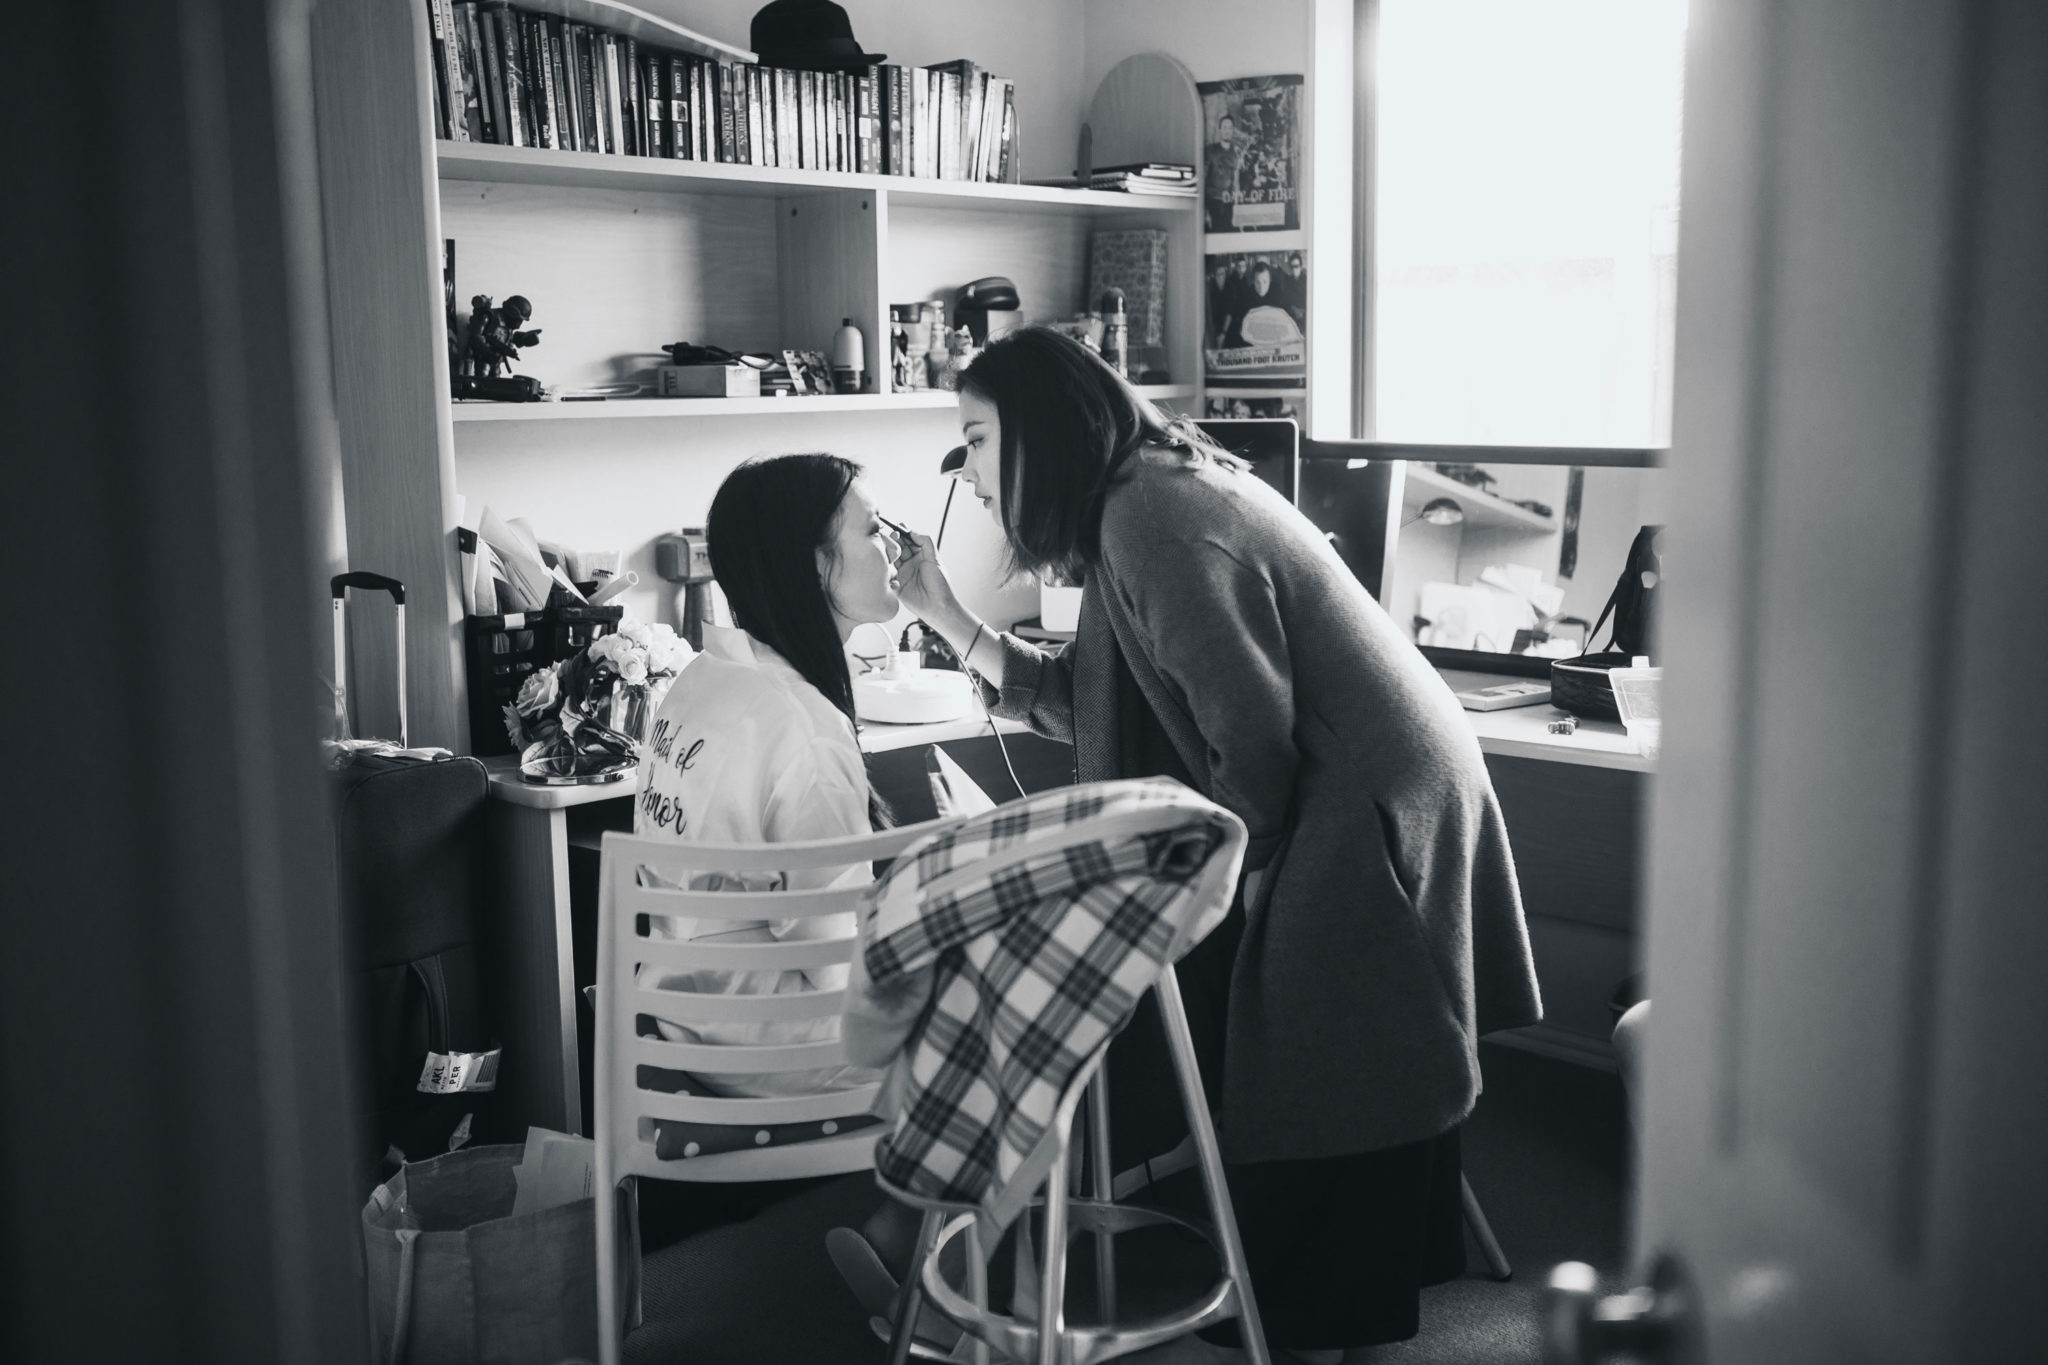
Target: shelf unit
<point>621,255</point>
<point>1482,509</point>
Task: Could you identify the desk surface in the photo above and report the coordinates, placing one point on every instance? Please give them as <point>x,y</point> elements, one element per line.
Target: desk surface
<point>508,785</point>
<point>1520,732</point>
<point>1524,731</point>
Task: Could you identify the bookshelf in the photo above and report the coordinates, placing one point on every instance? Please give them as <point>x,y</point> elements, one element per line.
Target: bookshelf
<point>621,254</point>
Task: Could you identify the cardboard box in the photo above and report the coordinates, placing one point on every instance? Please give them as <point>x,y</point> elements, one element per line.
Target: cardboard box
<point>708,381</point>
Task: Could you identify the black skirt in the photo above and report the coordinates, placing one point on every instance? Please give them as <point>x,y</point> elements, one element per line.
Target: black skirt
<point>1340,1247</point>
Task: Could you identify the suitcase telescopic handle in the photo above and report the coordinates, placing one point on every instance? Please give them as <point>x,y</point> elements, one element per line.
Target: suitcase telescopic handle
<point>339,586</point>
<point>342,582</point>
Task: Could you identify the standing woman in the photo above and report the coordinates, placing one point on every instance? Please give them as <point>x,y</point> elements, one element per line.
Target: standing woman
<point>1223,642</point>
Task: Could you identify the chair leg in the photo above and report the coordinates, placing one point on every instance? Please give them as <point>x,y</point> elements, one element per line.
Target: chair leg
<point>1105,1182</point>
<point>1052,1285</point>
<point>1209,1157</point>
<point>609,1329</point>
<point>911,1297</point>
<point>1475,1218</point>
<point>977,1289</point>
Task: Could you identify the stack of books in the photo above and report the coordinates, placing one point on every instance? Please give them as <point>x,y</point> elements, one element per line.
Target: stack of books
<point>523,79</point>
<point>1146,177</point>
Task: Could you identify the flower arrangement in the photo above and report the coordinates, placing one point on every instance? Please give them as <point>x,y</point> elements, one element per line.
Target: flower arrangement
<point>583,719</point>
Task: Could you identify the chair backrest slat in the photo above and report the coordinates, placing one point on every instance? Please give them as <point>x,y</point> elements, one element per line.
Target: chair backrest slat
<point>829,1104</point>
<point>738,904</point>
<point>689,1007</point>
<point>718,1059</point>
<point>688,955</point>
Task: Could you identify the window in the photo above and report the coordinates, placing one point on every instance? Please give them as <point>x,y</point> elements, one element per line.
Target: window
<point>1525,221</point>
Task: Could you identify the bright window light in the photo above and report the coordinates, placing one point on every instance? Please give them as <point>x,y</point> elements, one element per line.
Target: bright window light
<point>1526,220</point>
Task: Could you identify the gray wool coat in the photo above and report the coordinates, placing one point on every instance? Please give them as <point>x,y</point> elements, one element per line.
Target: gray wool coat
<point>1388,934</point>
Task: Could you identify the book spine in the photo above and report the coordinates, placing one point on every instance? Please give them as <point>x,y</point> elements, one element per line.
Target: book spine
<point>518,90</point>
<point>835,141</point>
<point>443,101</point>
<point>630,95</point>
<point>480,72</point>
<point>920,111</point>
<point>848,159</point>
<point>991,130</point>
<point>472,93</point>
<point>871,126</point>
<point>893,97</point>
<point>614,98</point>
<point>562,56</point>
<point>1013,164</point>
<point>550,85</point>
<point>805,156</point>
<point>683,82</point>
<point>728,133</point>
<point>949,126</point>
<point>494,75</point>
<point>789,128</point>
<point>757,149</point>
<point>693,81</point>
<point>655,99</point>
<point>589,89</point>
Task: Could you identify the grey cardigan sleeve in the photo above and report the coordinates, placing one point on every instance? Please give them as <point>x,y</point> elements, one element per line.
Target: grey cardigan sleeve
<point>1037,689</point>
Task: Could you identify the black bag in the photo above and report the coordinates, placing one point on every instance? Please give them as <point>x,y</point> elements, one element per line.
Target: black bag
<point>1580,685</point>
<point>408,855</point>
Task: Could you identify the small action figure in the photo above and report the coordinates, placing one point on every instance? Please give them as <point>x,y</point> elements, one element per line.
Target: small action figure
<point>490,346</point>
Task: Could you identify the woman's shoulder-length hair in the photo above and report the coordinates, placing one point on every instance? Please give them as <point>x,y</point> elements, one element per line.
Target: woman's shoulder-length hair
<point>1070,424</point>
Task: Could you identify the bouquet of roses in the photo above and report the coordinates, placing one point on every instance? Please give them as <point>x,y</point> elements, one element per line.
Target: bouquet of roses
<point>585,717</point>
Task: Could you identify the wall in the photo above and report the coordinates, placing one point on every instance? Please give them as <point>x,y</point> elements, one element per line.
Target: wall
<point>1215,39</point>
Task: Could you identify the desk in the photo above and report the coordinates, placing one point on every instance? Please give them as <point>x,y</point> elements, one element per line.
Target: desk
<point>1573,805</point>
<point>1574,809</point>
<point>530,916</point>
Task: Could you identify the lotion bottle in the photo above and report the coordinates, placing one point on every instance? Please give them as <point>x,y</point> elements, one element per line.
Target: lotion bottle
<point>849,358</point>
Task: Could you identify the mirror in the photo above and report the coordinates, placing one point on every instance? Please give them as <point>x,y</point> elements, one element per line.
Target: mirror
<point>1513,558</point>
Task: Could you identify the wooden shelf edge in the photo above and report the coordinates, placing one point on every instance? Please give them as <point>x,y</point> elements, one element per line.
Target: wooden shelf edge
<point>690,408</point>
<point>637,23</point>
<point>490,162</point>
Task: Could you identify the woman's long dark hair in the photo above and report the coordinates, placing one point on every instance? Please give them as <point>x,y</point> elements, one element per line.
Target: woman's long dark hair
<point>767,523</point>
<point>1069,422</point>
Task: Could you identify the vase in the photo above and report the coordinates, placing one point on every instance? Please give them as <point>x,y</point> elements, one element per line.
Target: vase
<point>630,710</point>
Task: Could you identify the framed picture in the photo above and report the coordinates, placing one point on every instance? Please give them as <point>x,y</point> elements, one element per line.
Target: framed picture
<point>1257,318</point>
<point>1251,155</point>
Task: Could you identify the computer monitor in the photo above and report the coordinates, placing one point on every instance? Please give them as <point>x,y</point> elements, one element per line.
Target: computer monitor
<point>1271,444</point>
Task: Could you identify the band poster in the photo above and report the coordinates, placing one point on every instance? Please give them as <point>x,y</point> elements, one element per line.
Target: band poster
<point>1251,158</point>
<point>1255,331</point>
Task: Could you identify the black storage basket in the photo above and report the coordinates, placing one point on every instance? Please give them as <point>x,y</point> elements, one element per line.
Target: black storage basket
<point>503,652</point>
<point>1580,685</point>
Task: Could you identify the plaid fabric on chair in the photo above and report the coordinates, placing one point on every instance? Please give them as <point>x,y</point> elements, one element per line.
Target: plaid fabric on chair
<point>1042,924</point>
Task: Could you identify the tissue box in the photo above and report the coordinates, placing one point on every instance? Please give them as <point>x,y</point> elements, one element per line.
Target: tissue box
<point>708,381</point>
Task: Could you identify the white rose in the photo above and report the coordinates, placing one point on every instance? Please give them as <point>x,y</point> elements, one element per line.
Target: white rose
<point>637,632</point>
<point>633,671</point>
<point>540,691</point>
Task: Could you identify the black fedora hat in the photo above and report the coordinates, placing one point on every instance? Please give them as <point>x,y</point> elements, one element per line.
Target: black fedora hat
<point>808,35</point>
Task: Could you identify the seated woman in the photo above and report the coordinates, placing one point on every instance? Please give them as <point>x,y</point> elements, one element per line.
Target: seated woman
<point>755,741</point>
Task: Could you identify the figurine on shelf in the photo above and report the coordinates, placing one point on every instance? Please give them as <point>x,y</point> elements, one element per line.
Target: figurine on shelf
<point>490,345</point>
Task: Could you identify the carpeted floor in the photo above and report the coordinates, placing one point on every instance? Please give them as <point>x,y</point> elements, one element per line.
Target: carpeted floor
<point>740,1276</point>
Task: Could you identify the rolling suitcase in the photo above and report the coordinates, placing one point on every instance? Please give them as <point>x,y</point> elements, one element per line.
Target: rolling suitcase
<point>408,854</point>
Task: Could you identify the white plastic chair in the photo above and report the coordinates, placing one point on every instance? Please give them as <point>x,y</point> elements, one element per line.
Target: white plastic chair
<point>624,1112</point>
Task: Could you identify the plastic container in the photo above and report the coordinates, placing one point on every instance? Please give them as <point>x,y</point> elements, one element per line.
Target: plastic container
<point>1638,696</point>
